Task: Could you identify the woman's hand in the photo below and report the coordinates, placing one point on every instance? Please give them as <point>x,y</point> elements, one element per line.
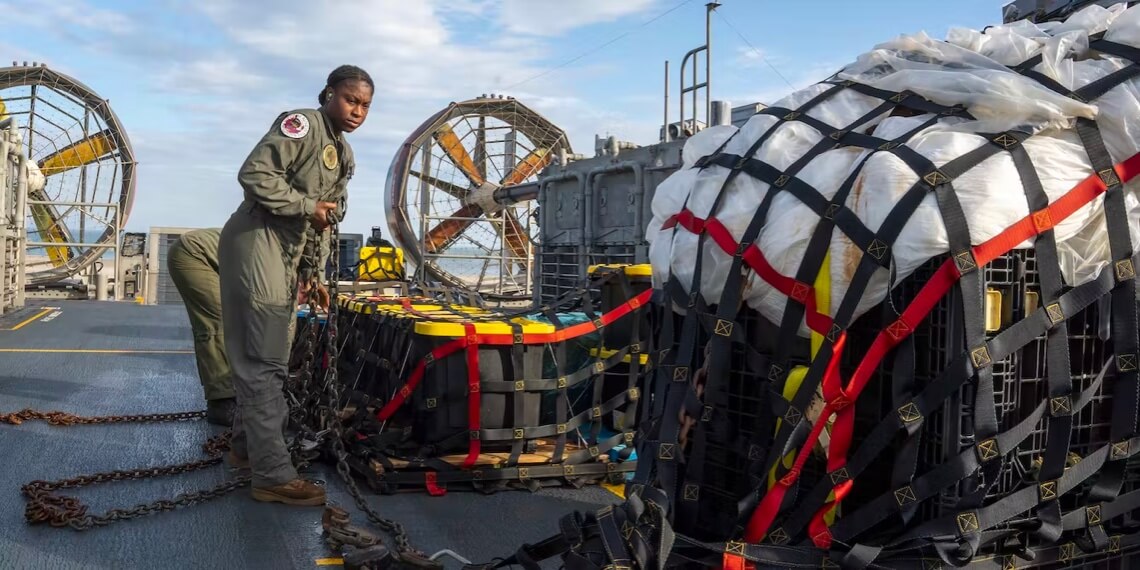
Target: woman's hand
<point>320,216</point>
<point>320,298</point>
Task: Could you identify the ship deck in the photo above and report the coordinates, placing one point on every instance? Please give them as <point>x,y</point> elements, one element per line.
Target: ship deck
<point>106,358</point>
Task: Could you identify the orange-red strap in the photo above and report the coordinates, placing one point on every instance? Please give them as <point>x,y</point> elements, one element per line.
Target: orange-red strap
<point>417,375</point>
<point>453,346</point>
<point>804,293</point>
<point>735,562</point>
<point>843,430</point>
<point>473,397</point>
<point>432,485</point>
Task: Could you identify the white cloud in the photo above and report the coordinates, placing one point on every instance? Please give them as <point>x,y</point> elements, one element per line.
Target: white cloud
<point>751,80</point>
<point>216,102</point>
<point>223,75</point>
<point>537,18</point>
<point>77,13</point>
<point>20,55</point>
<point>80,13</point>
<point>747,56</point>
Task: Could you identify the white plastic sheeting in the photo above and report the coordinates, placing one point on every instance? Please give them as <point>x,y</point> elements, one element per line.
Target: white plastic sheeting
<point>36,179</point>
<point>968,69</point>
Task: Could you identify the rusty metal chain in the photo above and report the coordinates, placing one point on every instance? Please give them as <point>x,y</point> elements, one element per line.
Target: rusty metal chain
<point>332,386</point>
<point>57,418</point>
<point>299,386</point>
<point>45,506</point>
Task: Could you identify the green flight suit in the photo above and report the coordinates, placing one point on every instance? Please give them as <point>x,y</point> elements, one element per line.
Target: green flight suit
<point>193,265</point>
<point>266,246</point>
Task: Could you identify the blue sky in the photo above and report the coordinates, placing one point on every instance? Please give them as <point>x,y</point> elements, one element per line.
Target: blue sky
<point>196,83</point>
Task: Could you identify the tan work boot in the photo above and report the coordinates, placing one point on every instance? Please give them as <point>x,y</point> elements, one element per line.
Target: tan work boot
<point>296,492</point>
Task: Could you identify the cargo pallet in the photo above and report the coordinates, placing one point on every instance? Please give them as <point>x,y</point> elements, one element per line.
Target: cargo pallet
<point>444,393</point>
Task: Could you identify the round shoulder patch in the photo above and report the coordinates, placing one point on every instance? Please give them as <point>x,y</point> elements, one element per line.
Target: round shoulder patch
<point>295,126</point>
<point>329,156</point>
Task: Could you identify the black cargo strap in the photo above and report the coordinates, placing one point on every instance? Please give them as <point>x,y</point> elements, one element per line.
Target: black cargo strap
<point>685,378</point>
<point>532,475</point>
<point>1126,396</point>
<point>1126,345</point>
<point>566,425</point>
<point>788,181</point>
<point>878,253</point>
<point>634,534</point>
<point>932,397</point>
<point>971,523</point>
<point>1058,367</point>
<point>953,471</point>
<point>952,538</point>
<point>388,447</point>
<point>985,422</point>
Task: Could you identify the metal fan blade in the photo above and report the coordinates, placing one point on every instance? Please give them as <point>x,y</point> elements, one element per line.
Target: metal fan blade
<point>481,147</point>
<point>535,161</point>
<point>448,187</point>
<point>50,228</point>
<point>448,230</point>
<point>78,154</point>
<point>451,144</point>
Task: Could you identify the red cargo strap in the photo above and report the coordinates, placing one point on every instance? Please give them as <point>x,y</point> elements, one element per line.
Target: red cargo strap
<point>804,293</point>
<point>735,562</point>
<point>416,376</point>
<point>454,345</point>
<point>433,487</point>
<point>473,396</point>
<point>1029,226</point>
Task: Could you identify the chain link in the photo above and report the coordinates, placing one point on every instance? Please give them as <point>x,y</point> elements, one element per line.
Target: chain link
<point>57,418</point>
<point>44,505</point>
<point>332,386</point>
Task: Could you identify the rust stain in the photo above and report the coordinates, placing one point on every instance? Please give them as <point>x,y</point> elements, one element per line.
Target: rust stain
<point>851,254</point>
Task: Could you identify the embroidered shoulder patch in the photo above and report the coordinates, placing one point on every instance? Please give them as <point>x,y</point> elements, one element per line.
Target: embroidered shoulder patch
<point>329,156</point>
<point>295,126</point>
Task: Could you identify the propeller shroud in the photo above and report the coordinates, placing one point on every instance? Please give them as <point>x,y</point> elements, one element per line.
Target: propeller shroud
<point>461,190</point>
<point>82,170</point>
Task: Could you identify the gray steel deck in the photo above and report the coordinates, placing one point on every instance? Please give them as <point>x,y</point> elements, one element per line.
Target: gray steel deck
<point>100,358</point>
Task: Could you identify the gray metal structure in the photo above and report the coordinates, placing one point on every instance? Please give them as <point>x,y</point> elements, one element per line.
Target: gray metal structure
<point>595,211</point>
<point>349,252</point>
<point>159,287</point>
<point>13,195</point>
<point>1045,10</point>
<point>131,277</point>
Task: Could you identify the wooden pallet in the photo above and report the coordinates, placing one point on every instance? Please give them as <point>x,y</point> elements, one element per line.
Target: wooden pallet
<point>542,455</point>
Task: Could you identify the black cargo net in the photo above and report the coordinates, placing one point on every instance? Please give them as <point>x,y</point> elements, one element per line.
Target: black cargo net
<point>989,411</point>
<point>1067,501</point>
<point>434,406</point>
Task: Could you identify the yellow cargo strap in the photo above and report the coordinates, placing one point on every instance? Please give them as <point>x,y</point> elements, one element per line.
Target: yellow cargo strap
<point>822,287</point>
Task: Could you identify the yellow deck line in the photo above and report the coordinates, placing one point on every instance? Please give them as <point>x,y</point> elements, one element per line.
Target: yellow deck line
<point>618,490</point>
<point>32,318</point>
<point>94,351</point>
<point>329,561</point>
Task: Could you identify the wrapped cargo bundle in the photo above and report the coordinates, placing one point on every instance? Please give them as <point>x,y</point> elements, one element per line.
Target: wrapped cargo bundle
<point>899,319</point>
<point>953,225</point>
<point>969,70</point>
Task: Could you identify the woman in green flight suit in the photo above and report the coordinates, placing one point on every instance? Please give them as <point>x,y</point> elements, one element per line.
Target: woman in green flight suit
<point>294,184</point>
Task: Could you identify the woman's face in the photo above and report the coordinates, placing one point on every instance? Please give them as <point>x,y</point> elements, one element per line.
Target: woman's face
<point>348,106</point>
